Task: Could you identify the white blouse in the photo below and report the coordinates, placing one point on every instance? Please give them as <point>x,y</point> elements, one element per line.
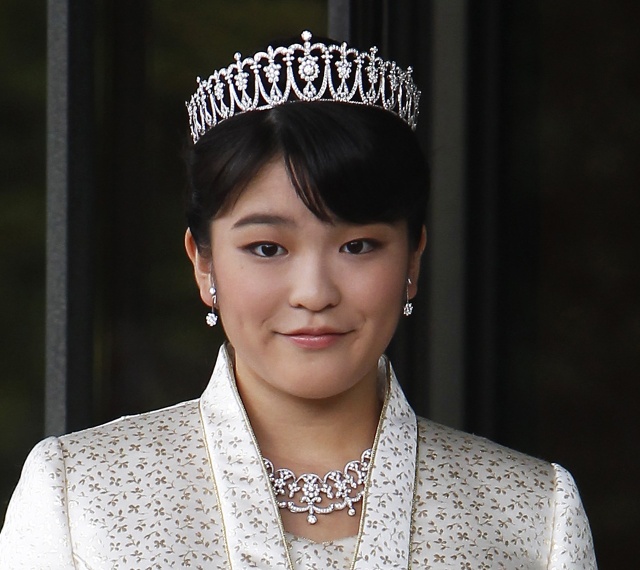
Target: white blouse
<point>309,555</point>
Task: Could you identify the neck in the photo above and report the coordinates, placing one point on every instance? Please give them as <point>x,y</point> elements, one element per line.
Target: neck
<point>313,435</point>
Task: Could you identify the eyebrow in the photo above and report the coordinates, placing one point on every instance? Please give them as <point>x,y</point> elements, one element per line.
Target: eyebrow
<point>262,219</point>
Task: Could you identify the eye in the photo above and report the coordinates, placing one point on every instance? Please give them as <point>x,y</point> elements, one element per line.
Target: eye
<point>358,246</point>
<point>266,249</point>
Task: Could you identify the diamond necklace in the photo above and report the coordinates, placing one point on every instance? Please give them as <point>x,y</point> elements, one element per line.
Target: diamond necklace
<point>346,487</point>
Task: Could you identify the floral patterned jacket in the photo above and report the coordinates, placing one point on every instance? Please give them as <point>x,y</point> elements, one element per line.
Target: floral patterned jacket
<point>186,486</point>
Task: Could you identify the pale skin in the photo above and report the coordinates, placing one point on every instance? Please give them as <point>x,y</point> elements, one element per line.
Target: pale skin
<point>308,307</point>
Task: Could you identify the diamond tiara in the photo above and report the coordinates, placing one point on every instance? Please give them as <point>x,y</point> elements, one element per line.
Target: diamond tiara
<point>302,72</point>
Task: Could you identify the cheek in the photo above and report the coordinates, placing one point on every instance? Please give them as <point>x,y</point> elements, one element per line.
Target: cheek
<point>244,294</point>
<point>381,290</point>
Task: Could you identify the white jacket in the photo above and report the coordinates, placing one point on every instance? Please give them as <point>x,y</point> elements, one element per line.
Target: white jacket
<point>186,487</point>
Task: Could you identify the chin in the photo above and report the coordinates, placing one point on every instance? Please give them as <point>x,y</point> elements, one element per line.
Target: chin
<point>312,393</point>
<point>322,381</point>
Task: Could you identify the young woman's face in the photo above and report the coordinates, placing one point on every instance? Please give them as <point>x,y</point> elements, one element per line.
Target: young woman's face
<point>308,306</point>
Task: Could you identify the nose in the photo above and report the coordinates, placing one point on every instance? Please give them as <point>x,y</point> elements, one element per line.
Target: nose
<point>313,287</point>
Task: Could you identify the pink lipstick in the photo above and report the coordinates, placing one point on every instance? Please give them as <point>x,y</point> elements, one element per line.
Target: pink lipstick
<point>314,339</point>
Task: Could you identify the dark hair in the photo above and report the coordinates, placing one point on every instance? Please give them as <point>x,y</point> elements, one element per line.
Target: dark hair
<point>348,162</point>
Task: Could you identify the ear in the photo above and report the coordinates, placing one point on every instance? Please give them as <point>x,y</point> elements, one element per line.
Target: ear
<point>201,267</point>
<point>414,263</point>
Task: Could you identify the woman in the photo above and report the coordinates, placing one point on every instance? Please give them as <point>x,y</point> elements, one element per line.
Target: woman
<point>306,227</point>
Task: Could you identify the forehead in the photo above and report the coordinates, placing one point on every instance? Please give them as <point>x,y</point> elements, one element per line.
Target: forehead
<point>271,184</point>
<point>270,199</point>
<point>269,192</point>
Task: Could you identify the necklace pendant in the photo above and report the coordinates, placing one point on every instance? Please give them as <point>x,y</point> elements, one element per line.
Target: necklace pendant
<point>335,491</point>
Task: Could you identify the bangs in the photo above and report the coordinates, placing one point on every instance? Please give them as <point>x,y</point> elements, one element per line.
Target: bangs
<point>346,162</point>
<point>339,161</point>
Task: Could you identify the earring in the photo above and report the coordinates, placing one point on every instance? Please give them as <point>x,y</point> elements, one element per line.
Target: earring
<point>212,318</point>
<point>408,306</point>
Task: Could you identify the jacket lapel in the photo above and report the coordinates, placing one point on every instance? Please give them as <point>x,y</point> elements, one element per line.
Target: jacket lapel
<point>254,536</point>
<point>385,528</point>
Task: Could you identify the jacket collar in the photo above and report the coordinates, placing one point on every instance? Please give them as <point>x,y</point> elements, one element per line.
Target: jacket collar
<point>254,536</point>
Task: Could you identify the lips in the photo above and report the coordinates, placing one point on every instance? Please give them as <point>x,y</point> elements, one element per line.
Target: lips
<point>315,338</point>
<point>314,331</point>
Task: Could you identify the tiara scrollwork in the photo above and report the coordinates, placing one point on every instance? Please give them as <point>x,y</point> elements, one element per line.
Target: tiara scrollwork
<point>302,72</point>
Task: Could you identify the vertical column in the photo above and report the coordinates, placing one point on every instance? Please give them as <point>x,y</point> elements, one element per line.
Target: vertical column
<point>69,338</point>
<point>340,20</point>
<point>447,251</point>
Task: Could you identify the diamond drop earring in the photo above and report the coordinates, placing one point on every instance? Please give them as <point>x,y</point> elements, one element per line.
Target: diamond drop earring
<point>212,318</point>
<point>408,306</point>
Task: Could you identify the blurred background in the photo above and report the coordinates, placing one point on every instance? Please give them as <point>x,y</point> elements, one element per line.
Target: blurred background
<point>527,325</point>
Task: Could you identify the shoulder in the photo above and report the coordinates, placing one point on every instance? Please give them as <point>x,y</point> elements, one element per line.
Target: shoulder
<point>43,471</point>
<point>476,488</point>
<point>44,457</point>
<point>35,532</point>
<point>572,545</point>
<point>135,434</point>
<point>477,457</point>
<point>480,473</point>
<point>515,506</point>
<point>145,476</point>
<point>138,453</point>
